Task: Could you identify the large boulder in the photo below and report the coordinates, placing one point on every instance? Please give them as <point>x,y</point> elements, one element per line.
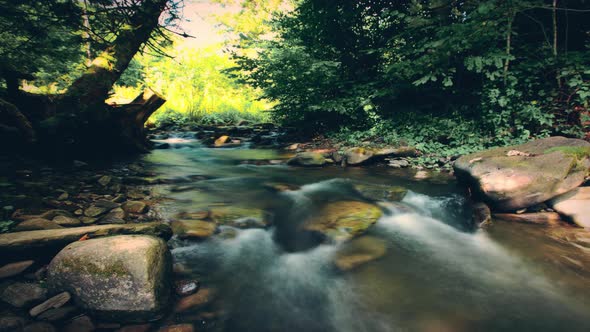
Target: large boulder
<point>123,278</point>
<point>575,205</point>
<point>521,176</point>
<point>343,220</point>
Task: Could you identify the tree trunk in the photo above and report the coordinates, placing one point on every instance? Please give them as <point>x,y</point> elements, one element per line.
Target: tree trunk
<point>94,85</point>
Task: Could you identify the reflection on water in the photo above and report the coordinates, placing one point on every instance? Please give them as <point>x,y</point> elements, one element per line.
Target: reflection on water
<point>438,274</point>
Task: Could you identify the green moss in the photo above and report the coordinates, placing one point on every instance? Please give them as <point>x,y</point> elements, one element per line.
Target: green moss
<point>115,270</point>
<point>578,152</point>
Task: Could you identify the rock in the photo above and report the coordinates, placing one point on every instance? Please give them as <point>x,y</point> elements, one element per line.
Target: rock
<point>239,217</point>
<point>196,301</point>
<point>10,322</point>
<point>63,196</point>
<point>49,215</point>
<point>58,314</point>
<point>21,294</point>
<point>135,207</point>
<point>53,303</point>
<point>16,242</point>
<point>343,220</point>
<point>79,164</point>
<point>399,163</point>
<point>39,327</point>
<point>95,211</point>
<point>13,269</point>
<point>104,180</point>
<point>193,229</point>
<point>221,141</point>
<point>544,169</point>
<point>127,282</point>
<point>481,214</point>
<point>80,324</point>
<point>186,287</point>
<point>35,224</point>
<point>381,192</point>
<point>357,156</point>
<point>308,159</point>
<point>66,221</point>
<point>421,175</point>
<point>575,205</point>
<point>359,251</point>
<point>178,328</point>
<point>539,218</point>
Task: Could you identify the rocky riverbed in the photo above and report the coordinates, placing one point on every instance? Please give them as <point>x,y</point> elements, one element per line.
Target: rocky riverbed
<point>116,246</point>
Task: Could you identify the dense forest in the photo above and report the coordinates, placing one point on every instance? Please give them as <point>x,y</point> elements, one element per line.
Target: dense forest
<point>445,76</point>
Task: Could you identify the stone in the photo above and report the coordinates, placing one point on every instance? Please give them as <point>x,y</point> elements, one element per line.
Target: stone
<point>58,314</point>
<point>481,214</point>
<point>221,141</point>
<point>186,287</point>
<point>21,294</point>
<point>539,218</point>
<point>193,229</point>
<point>20,241</point>
<point>11,322</point>
<point>308,159</point>
<point>178,328</point>
<point>201,299</point>
<point>67,221</point>
<point>575,205</point>
<point>240,217</point>
<point>63,196</point>
<point>13,269</point>
<point>357,156</point>
<point>80,324</point>
<point>50,214</point>
<point>545,168</point>
<point>343,220</point>
<point>381,192</point>
<point>35,224</point>
<point>104,180</point>
<point>359,251</point>
<point>127,282</point>
<point>399,163</point>
<point>135,207</point>
<point>53,303</point>
<point>95,211</point>
<point>39,327</point>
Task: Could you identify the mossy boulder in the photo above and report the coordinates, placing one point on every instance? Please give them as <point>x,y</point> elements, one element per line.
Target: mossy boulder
<point>240,217</point>
<point>521,176</point>
<point>308,159</point>
<point>363,155</point>
<point>575,205</point>
<point>343,220</point>
<point>124,278</point>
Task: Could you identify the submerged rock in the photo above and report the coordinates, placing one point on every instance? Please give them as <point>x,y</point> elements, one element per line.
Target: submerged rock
<point>239,217</point>
<point>125,277</point>
<point>35,224</point>
<point>574,205</point>
<point>343,220</point>
<point>359,251</point>
<point>381,192</point>
<point>539,218</point>
<point>520,176</point>
<point>201,299</point>
<point>13,269</point>
<point>308,159</point>
<point>193,229</point>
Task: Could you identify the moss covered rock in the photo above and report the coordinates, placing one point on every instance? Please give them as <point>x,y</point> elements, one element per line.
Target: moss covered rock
<point>193,229</point>
<point>341,221</point>
<point>123,278</point>
<point>308,159</point>
<point>359,251</point>
<point>520,176</point>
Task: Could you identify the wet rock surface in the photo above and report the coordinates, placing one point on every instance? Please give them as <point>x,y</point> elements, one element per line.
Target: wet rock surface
<point>128,281</point>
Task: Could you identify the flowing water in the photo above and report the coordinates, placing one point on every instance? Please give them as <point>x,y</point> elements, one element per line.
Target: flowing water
<point>438,274</point>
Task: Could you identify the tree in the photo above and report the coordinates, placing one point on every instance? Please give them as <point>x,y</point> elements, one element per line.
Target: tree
<point>79,117</point>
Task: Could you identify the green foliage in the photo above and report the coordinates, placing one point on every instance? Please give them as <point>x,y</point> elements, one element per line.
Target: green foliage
<point>448,76</point>
<point>6,225</point>
<point>193,82</point>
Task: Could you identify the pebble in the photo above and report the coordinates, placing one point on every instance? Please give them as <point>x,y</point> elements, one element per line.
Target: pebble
<point>12,269</point>
<point>11,322</point>
<point>104,180</point>
<point>135,207</point>
<point>20,294</point>
<point>66,221</point>
<point>58,314</point>
<point>199,300</point>
<point>186,287</point>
